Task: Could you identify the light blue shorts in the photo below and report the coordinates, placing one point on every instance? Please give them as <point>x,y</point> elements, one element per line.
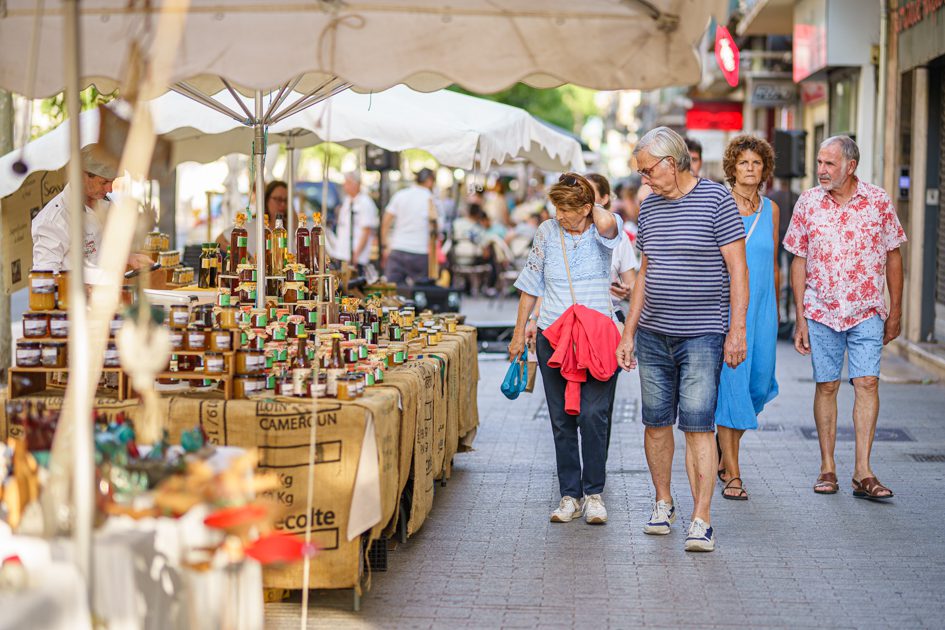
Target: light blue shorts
<point>863,345</point>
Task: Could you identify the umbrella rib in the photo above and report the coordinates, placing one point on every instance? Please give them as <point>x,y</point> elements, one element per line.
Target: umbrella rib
<point>284,92</point>
<point>196,95</point>
<point>236,97</point>
<point>310,99</point>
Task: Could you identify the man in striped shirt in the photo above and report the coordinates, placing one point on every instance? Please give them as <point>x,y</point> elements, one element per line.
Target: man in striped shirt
<point>693,274</point>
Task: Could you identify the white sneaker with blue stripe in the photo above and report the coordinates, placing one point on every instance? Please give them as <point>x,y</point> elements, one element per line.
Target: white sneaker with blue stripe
<point>664,515</point>
<point>700,536</point>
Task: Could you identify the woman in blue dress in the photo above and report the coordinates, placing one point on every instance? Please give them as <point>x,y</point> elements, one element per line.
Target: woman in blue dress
<point>743,392</point>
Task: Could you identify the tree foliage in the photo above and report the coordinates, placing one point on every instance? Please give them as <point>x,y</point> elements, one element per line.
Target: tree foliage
<point>54,108</point>
<point>567,106</point>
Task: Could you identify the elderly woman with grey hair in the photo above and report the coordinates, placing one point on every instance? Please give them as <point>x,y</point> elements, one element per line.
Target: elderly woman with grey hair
<point>693,272</point>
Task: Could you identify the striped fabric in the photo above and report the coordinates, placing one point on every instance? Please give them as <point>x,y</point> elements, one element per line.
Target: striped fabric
<point>686,290</point>
<point>589,256</point>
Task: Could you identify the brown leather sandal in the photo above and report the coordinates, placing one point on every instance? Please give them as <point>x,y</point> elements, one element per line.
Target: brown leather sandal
<point>741,493</point>
<point>869,488</point>
<point>827,484</point>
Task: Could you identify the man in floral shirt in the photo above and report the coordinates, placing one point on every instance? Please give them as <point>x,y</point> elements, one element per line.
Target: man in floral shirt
<point>846,237</point>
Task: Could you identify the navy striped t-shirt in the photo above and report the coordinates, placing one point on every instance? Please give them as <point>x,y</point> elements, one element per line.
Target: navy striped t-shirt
<point>686,289</point>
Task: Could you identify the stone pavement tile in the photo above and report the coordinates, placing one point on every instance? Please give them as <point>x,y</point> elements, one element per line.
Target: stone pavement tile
<point>787,558</point>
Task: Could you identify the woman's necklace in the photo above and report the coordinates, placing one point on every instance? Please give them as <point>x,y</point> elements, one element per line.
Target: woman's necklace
<point>752,207</point>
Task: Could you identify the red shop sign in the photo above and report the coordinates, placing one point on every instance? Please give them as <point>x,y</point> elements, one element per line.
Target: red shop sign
<point>720,115</point>
<point>726,54</point>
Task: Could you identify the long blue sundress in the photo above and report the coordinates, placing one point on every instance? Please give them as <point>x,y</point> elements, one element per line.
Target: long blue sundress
<point>744,391</point>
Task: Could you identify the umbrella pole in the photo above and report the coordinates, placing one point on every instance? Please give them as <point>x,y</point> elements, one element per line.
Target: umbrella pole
<point>79,412</point>
<point>259,160</point>
<point>291,216</point>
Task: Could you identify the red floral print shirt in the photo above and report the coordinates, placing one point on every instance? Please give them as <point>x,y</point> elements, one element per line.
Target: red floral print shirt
<point>846,248</point>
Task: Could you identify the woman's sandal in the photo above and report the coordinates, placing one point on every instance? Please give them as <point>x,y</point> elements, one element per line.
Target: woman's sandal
<point>742,493</point>
<point>869,488</point>
<point>827,484</point>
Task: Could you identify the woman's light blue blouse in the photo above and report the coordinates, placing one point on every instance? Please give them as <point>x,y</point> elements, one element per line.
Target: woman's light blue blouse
<point>589,256</point>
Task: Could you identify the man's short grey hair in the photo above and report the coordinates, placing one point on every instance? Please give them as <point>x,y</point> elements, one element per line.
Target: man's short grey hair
<point>663,142</point>
<point>848,148</point>
<point>353,176</point>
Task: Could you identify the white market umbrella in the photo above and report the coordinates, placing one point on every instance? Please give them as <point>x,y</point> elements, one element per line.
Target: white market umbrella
<point>460,131</point>
<point>484,45</point>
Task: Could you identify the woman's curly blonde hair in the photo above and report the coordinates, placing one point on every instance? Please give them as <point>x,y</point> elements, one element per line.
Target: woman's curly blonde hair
<point>742,143</point>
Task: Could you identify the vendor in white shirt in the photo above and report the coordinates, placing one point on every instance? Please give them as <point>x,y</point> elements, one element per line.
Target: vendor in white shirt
<point>405,230</point>
<point>357,224</point>
<point>51,228</point>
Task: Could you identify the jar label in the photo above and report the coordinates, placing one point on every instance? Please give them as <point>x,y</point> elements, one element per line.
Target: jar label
<point>59,327</point>
<point>222,341</point>
<point>34,328</point>
<point>27,355</point>
<point>214,365</point>
<point>115,326</point>
<point>180,318</point>
<point>196,339</point>
<point>252,385</point>
<point>205,263</point>
<point>43,285</point>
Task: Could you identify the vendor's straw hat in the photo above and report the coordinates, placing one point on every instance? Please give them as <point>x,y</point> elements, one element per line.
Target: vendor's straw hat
<point>97,161</point>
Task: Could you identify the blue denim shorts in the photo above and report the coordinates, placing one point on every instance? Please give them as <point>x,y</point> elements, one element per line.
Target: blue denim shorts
<point>863,345</point>
<point>679,377</point>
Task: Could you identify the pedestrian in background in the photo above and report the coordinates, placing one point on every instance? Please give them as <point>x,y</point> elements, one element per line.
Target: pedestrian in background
<point>624,263</point>
<point>569,264</point>
<point>845,236</point>
<point>405,230</point>
<point>357,224</point>
<point>693,273</point>
<point>744,391</point>
<point>695,155</point>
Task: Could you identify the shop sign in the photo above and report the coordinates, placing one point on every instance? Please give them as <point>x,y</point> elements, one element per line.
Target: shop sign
<point>772,93</point>
<point>718,115</point>
<point>726,54</point>
<point>813,91</point>
<point>911,13</point>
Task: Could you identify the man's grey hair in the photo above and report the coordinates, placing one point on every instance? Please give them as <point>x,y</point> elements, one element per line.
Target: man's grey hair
<point>663,142</point>
<point>353,176</point>
<point>848,148</point>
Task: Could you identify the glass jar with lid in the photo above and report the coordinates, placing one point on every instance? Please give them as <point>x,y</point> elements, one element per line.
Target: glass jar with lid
<point>180,316</point>
<point>245,385</point>
<point>213,363</point>
<point>53,354</point>
<point>111,356</point>
<point>221,340</point>
<point>36,324</point>
<point>197,338</point>
<point>250,361</point>
<point>58,325</point>
<point>42,290</point>
<point>177,339</point>
<point>62,290</point>
<point>28,354</point>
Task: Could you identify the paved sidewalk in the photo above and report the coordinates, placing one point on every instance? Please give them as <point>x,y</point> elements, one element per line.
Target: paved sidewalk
<point>488,557</point>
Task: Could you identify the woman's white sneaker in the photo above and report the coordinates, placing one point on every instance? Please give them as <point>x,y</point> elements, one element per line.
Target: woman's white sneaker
<point>664,515</point>
<point>594,511</point>
<point>568,509</point>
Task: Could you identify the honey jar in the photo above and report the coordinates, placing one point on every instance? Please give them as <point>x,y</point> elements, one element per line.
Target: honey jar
<point>180,316</point>
<point>245,385</point>
<point>213,363</point>
<point>36,325</point>
<point>170,259</point>
<point>115,325</point>
<point>53,354</point>
<point>228,317</point>
<point>28,354</point>
<point>250,361</point>
<point>62,290</point>
<point>42,290</point>
<point>177,339</point>
<point>197,339</point>
<point>221,340</point>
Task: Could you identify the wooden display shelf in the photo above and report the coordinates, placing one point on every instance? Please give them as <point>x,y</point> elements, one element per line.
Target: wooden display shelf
<point>22,381</point>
